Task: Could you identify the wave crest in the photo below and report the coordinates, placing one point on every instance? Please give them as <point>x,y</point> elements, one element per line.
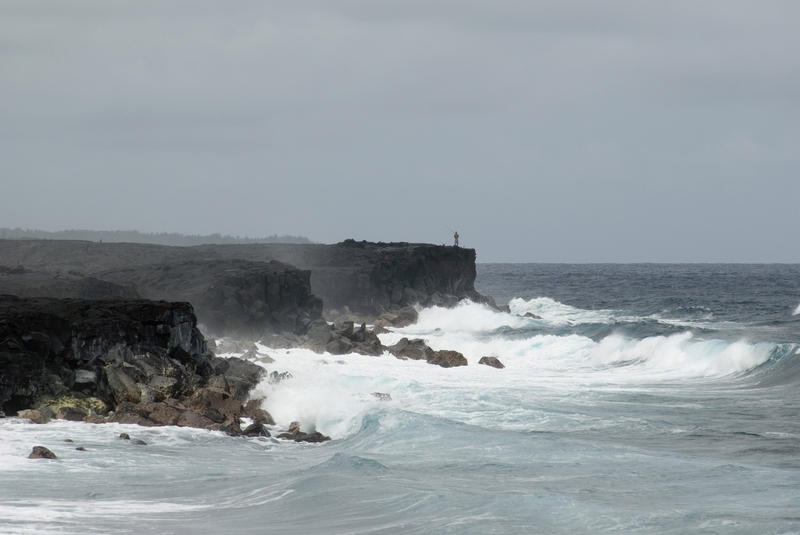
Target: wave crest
<point>558,313</point>
<point>683,355</point>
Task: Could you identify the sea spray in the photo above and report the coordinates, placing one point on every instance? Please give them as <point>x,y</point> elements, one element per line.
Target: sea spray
<point>476,331</point>
<point>554,312</point>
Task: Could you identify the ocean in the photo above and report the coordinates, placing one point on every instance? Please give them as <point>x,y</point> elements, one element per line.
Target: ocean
<point>640,399</point>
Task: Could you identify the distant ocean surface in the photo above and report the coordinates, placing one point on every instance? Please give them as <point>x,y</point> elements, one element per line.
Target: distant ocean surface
<point>642,399</point>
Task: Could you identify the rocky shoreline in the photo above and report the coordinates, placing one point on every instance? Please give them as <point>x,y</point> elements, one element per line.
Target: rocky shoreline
<point>247,290</point>
<point>126,361</point>
<point>106,332</point>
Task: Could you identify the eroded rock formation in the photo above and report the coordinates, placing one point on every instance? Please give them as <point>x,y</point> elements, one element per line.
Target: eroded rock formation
<point>129,361</point>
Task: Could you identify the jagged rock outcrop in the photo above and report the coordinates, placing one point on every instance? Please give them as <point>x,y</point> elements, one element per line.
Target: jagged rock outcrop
<point>415,349</point>
<point>342,339</point>
<point>129,361</point>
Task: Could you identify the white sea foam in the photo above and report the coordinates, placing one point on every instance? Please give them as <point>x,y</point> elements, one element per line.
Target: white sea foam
<point>796,311</point>
<point>554,312</point>
<point>332,393</point>
<point>466,316</point>
<point>682,355</point>
<point>471,329</point>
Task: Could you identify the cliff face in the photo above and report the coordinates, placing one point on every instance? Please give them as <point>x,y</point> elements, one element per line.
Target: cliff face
<point>373,277</point>
<point>231,296</point>
<point>145,360</point>
<point>48,346</point>
<point>25,283</point>
<point>380,277</point>
<point>367,277</point>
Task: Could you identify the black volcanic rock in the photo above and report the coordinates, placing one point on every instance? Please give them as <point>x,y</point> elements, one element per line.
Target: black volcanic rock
<point>231,296</point>
<point>294,433</point>
<point>145,360</point>
<point>236,297</point>
<point>494,362</point>
<point>342,339</point>
<point>40,452</point>
<point>415,349</point>
<point>27,283</point>
<point>448,359</point>
<point>368,278</point>
<point>371,278</point>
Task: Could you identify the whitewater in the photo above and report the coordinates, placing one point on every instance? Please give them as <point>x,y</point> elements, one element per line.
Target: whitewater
<point>634,399</point>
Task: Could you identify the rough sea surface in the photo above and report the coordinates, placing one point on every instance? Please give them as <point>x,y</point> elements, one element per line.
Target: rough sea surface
<point>647,399</point>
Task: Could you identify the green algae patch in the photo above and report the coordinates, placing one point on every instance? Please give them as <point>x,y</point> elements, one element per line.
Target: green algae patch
<point>87,403</point>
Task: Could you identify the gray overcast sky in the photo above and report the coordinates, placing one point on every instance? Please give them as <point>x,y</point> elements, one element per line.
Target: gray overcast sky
<point>543,131</point>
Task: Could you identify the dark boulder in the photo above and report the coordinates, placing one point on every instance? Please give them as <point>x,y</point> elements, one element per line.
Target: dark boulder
<point>339,346</point>
<point>318,335</point>
<point>40,452</point>
<point>494,362</point>
<point>165,412</point>
<point>415,349</point>
<point>253,410</point>
<point>73,414</point>
<point>256,430</point>
<point>448,359</point>
<point>193,419</point>
<point>294,433</point>
<point>241,375</point>
<point>216,405</point>
<point>345,338</point>
<point>34,416</point>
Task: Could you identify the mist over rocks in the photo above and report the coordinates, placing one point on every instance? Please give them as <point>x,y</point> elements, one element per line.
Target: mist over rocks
<point>247,288</point>
<point>231,297</point>
<point>373,278</point>
<point>26,283</point>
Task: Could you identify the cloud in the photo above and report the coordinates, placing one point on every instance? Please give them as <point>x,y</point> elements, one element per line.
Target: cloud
<point>504,118</point>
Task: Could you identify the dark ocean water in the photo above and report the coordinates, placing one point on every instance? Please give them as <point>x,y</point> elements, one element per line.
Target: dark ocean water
<point>640,399</point>
<point>758,298</point>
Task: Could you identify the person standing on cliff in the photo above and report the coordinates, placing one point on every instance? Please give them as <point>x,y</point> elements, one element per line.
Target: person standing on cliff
<point>455,238</point>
